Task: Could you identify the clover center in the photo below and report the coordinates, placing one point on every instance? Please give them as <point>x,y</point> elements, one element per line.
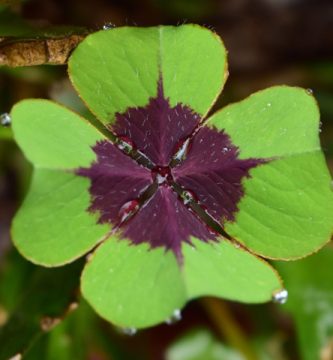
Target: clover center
<point>162,175</point>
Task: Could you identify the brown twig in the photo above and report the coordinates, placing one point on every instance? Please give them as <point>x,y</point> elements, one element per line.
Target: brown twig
<point>29,52</point>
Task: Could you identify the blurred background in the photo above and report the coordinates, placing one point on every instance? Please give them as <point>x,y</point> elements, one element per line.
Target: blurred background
<point>270,42</point>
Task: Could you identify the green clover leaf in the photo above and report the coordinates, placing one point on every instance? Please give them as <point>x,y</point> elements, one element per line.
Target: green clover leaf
<point>177,205</point>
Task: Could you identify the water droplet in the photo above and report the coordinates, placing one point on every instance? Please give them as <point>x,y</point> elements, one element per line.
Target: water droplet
<point>109,26</point>
<point>89,257</point>
<point>280,297</point>
<point>176,316</point>
<point>211,230</point>
<point>128,210</point>
<point>5,119</point>
<point>162,174</point>
<point>161,179</point>
<point>224,150</point>
<point>181,150</point>
<point>309,91</point>
<point>125,144</point>
<point>129,331</point>
<point>269,104</point>
<point>188,197</point>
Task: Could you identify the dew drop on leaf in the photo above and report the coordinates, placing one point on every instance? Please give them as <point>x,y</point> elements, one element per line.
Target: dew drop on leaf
<point>181,150</point>
<point>175,317</point>
<point>125,144</point>
<point>188,197</point>
<point>129,331</point>
<point>108,26</point>
<point>161,179</point>
<point>237,245</point>
<point>5,119</point>
<point>161,174</point>
<point>309,91</point>
<point>280,297</point>
<point>128,210</point>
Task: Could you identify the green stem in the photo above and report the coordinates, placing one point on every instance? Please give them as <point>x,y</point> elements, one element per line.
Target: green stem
<point>222,318</point>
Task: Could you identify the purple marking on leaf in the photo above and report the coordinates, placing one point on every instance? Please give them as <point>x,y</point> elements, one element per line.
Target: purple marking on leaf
<point>116,180</point>
<point>157,129</point>
<point>164,221</point>
<point>214,174</point>
<point>208,170</point>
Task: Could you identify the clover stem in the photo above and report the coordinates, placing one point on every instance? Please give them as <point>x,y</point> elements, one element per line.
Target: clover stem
<point>227,327</point>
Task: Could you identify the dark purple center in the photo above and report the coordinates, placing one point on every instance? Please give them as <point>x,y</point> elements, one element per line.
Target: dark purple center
<point>188,166</point>
<point>162,174</point>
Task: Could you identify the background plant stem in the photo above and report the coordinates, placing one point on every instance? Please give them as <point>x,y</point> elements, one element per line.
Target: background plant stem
<point>227,327</point>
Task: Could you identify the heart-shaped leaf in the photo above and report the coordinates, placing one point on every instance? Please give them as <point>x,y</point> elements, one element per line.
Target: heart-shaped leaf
<point>131,61</point>
<point>288,199</point>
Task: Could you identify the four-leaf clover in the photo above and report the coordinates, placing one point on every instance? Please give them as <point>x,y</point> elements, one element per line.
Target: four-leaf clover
<point>174,204</point>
